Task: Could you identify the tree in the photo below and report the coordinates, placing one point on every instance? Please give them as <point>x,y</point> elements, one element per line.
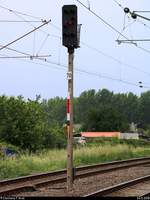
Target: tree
<point>55,137</point>
<point>144,109</point>
<point>128,104</point>
<point>55,109</point>
<point>22,123</point>
<point>105,118</point>
<point>84,102</point>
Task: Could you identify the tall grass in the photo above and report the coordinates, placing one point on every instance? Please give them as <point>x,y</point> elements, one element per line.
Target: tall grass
<point>91,155</point>
<point>34,163</point>
<point>56,159</point>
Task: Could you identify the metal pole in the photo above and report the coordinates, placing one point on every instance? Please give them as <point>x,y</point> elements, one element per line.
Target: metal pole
<point>70,121</point>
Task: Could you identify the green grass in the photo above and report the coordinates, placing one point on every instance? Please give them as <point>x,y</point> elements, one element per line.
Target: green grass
<point>35,163</point>
<point>56,159</point>
<point>91,155</point>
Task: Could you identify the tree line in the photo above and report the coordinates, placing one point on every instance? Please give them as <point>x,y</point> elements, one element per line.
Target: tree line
<point>38,124</point>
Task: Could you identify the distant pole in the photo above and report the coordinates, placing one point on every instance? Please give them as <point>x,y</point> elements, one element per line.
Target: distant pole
<point>70,121</point>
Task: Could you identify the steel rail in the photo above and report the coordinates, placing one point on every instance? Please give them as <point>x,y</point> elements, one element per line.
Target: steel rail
<point>109,190</point>
<point>60,172</point>
<point>33,182</point>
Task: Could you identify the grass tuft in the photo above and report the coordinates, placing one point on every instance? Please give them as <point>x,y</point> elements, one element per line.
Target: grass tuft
<point>56,159</point>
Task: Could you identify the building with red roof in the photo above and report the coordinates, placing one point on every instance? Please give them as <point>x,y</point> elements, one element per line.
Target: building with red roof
<point>100,134</point>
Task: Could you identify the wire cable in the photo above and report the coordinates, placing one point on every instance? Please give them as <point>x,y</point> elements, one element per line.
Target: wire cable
<point>82,71</point>
<point>21,13</point>
<point>30,57</point>
<point>43,43</point>
<point>85,72</point>
<point>114,59</point>
<point>113,28</point>
<point>111,57</point>
<point>104,21</point>
<point>118,4</point>
<point>29,23</point>
<point>19,21</point>
<point>100,75</point>
<point>24,35</point>
<point>23,53</point>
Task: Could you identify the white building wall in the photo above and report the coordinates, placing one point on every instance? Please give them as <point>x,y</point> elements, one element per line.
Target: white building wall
<point>129,136</point>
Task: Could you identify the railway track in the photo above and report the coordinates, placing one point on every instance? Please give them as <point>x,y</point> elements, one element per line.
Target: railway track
<point>33,182</point>
<point>138,187</point>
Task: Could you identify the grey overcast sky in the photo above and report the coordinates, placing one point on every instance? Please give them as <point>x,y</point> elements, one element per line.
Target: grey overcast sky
<point>100,62</point>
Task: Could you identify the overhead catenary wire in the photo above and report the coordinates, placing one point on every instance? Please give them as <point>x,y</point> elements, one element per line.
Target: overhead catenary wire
<point>137,20</point>
<point>119,4</point>
<point>61,66</point>
<point>140,11</point>
<point>30,23</point>
<point>94,49</point>
<point>112,57</point>
<point>23,53</point>
<point>15,50</point>
<point>21,13</point>
<point>98,51</point>
<point>18,13</point>
<point>25,35</point>
<point>100,75</point>
<point>44,32</point>
<point>19,21</point>
<point>30,57</point>
<point>80,70</point>
<point>43,43</point>
<point>115,59</point>
<point>85,72</point>
<point>104,54</point>
<point>90,73</point>
<point>103,20</point>
<point>112,27</point>
<point>91,47</point>
<point>143,11</point>
<point>125,27</point>
<point>35,17</point>
<point>134,40</point>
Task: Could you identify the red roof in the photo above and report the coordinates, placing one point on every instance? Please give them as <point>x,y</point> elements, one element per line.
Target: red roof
<point>100,134</point>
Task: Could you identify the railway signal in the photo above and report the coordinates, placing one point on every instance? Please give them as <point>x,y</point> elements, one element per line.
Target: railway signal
<point>70,39</point>
<point>69,28</point>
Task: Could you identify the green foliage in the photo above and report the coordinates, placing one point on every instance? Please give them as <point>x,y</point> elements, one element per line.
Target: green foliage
<point>54,159</point>
<point>36,124</point>
<point>55,109</point>
<point>105,118</point>
<point>106,111</point>
<point>56,137</point>
<point>128,105</point>
<point>147,131</point>
<point>115,141</point>
<point>25,124</point>
<point>144,109</point>
<point>27,164</point>
<point>101,111</point>
<point>22,123</point>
